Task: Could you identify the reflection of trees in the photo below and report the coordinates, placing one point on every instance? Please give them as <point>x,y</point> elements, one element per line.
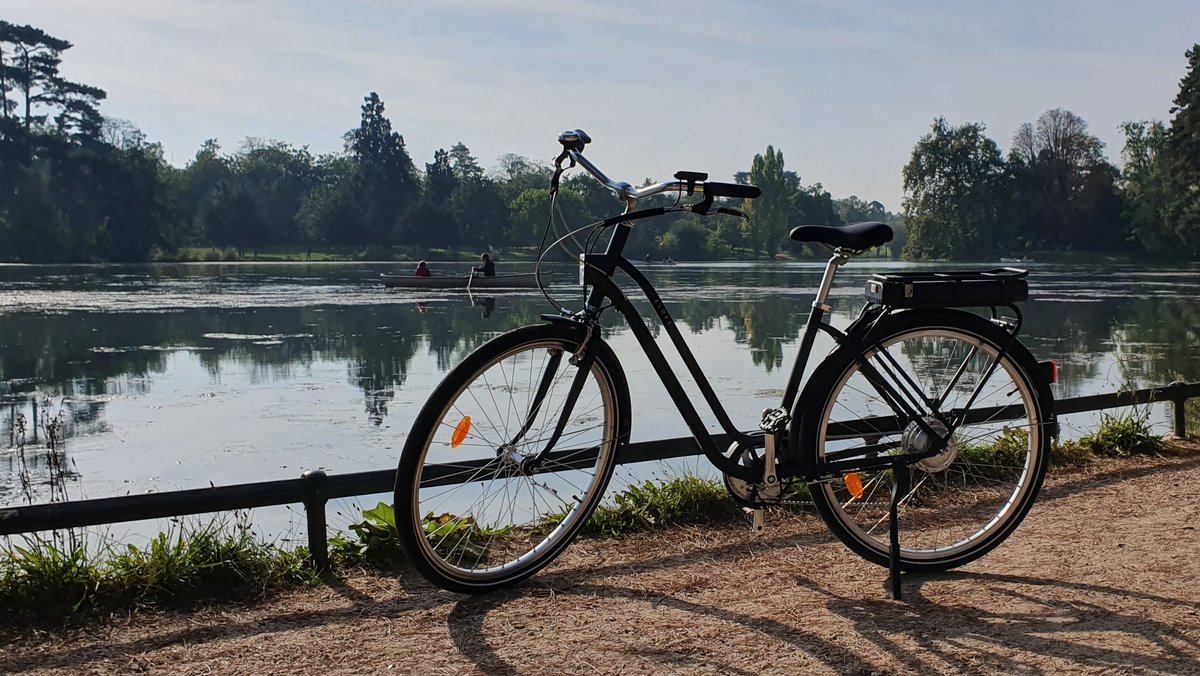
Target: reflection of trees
<point>765,325</point>
<point>1153,338</point>
<point>1072,334</point>
<point>79,354</point>
<point>1158,340</point>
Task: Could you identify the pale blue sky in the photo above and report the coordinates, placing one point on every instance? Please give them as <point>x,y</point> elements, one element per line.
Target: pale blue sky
<point>844,88</point>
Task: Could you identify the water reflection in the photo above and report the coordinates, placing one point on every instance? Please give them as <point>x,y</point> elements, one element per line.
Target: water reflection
<point>271,348</point>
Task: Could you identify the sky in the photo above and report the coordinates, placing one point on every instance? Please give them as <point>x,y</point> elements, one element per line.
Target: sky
<point>844,88</point>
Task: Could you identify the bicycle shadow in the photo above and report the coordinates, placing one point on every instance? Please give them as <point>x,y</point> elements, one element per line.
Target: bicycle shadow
<point>1016,625</point>
<point>1023,617</point>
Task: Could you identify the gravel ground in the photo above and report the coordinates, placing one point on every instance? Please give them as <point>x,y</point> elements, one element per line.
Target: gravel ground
<point>1102,577</point>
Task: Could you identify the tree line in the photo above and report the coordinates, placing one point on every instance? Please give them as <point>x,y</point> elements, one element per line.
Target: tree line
<point>1055,190</point>
<point>77,186</point>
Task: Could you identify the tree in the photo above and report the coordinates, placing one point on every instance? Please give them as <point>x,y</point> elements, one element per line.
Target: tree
<point>1066,186</point>
<point>956,194</point>
<point>769,213</point>
<point>1182,156</point>
<point>478,205</point>
<point>530,209</point>
<point>387,183</point>
<point>202,175</point>
<point>687,240</point>
<point>811,205</point>
<point>854,210</point>
<point>466,167</point>
<point>278,176</point>
<point>440,179</point>
<point>330,212</point>
<point>515,174</point>
<point>231,217</point>
<point>29,61</point>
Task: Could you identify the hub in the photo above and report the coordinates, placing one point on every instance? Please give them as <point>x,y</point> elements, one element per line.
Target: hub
<point>916,440</point>
<point>509,455</point>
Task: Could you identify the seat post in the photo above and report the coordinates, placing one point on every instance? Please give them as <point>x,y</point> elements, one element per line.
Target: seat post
<point>839,259</point>
<point>820,308</point>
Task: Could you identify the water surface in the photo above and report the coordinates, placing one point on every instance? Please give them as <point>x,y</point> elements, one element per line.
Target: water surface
<point>181,376</point>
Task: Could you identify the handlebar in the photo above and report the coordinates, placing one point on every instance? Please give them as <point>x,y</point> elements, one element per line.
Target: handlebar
<point>574,140</point>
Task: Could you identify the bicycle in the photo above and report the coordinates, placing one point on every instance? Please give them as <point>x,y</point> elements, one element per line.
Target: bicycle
<point>922,410</point>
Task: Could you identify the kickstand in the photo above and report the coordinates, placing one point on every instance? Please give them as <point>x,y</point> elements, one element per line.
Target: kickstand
<point>899,492</point>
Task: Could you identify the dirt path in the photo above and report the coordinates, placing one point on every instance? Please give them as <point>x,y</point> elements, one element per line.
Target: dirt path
<point>1104,576</point>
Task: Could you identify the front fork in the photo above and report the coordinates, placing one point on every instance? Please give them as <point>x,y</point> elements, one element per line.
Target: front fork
<point>582,360</point>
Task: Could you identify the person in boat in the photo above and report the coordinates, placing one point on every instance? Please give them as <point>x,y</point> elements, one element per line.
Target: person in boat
<point>423,270</point>
<point>487,268</point>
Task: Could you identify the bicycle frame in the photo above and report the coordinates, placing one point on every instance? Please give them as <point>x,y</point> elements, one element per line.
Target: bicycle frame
<point>598,271</point>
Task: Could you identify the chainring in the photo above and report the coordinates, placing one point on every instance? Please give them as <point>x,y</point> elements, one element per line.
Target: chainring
<point>751,494</point>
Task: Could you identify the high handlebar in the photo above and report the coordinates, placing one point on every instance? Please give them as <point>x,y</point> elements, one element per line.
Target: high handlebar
<point>574,140</point>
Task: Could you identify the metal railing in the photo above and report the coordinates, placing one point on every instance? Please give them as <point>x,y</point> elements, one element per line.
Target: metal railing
<point>315,488</point>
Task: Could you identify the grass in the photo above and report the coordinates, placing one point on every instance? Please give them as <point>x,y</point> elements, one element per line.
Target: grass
<point>1118,437</point>
<point>44,581</point>
<point>681,500</point>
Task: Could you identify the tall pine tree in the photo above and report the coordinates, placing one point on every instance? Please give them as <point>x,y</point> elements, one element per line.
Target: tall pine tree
<point>1183,158</point>
<point>387,185</point>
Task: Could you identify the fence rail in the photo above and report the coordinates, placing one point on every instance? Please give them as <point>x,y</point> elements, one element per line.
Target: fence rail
<point>315,488</point>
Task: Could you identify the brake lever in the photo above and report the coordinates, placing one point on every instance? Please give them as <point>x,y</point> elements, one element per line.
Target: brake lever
<point>558,168</point>
<point>706,208</point>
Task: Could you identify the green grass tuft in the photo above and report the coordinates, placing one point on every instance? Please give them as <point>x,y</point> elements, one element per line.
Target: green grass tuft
<point>43,579</point>
<point>649,505</point>
<point>43,582</point>
<point>1120,436</point>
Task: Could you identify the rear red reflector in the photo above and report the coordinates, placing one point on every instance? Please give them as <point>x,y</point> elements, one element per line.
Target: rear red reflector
<point>1049,370</point>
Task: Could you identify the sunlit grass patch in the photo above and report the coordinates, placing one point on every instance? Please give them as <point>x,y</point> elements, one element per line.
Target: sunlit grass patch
<point>47,580</point>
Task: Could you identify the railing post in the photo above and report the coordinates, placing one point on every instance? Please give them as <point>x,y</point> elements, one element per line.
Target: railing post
<point>316,494</point>
<point>1179,404</point>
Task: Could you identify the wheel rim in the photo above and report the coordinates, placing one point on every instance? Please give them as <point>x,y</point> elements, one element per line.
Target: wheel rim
<point>503,521</point>
<point>962,498</point>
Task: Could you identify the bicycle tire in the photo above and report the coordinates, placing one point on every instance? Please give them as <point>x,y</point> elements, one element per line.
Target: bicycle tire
<point>964,501</point>
<point>467,548</point>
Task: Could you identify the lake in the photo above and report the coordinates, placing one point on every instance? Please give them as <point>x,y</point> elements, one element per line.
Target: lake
<point>178,376</point>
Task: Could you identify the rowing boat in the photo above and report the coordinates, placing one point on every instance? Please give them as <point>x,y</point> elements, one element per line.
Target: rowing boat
<point>527,280</point>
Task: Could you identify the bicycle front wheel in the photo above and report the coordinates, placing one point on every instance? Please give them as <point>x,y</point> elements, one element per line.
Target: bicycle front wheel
<point>480,502</point>
<point>962,374</point>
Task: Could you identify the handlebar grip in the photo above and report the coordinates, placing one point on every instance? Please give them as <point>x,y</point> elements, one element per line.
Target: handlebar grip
<point>731,190</point>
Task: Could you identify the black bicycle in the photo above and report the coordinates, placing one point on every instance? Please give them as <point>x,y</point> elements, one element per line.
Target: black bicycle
<point>925,416</point>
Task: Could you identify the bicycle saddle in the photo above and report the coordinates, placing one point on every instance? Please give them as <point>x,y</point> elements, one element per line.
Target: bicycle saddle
<point>860,236</point>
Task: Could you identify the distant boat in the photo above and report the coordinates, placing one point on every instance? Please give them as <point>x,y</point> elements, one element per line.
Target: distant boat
<point>1005,259</point>
<point>527,280</point>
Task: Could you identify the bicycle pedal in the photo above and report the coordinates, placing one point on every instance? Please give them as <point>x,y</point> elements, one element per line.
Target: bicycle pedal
<point>758,524</point>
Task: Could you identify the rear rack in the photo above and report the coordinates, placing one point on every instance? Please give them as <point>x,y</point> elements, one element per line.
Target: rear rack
<point>970,288</point>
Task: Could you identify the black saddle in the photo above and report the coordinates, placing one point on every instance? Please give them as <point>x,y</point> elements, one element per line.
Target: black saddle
<point>858,236</point>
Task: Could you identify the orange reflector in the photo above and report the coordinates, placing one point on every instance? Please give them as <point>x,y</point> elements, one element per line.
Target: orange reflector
<point>460,432</point>
<point>853,484</point>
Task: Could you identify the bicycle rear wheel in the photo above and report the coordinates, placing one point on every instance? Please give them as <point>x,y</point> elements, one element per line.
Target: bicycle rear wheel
<point>961,373</point>
<point>475,509</point>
